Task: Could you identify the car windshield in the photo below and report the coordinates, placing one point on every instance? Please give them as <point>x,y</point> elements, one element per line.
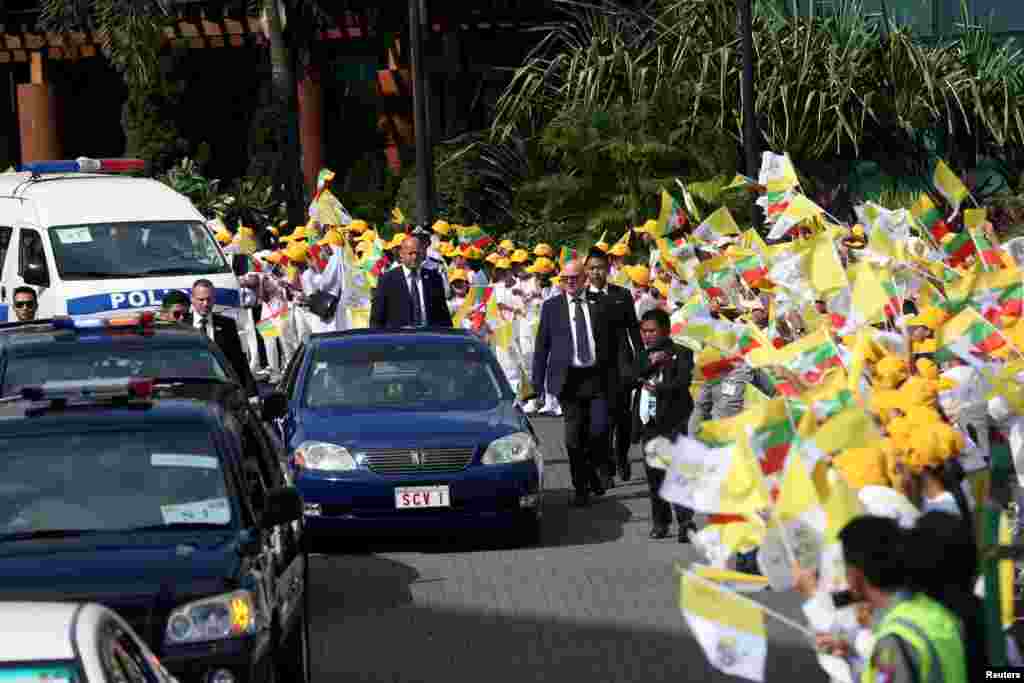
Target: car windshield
<point>405,376</point>
<point>110,481</point>
<point>141,249</point>
<point>63,671</point>
<point>112,362</point>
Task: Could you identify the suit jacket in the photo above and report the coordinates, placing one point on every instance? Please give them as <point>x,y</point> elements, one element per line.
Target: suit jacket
<point>673,401</point>
<point>553,349</point>
<point>225,336</point>
<point>392,302</point>
<point>618,302</point>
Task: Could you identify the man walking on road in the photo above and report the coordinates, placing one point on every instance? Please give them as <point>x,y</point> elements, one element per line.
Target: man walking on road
<point>661,374</point>
<point>410,295</point>
<point>221,330</point>
<point>622,313</point>
<point>574,357</point>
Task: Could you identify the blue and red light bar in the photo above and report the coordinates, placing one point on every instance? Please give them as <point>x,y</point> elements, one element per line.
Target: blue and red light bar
<point>84,165</point>
<point>125,387</point>
<point>146,319</point>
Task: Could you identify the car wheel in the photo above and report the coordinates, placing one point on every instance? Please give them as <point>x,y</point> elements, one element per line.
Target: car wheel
<point>528,531</point>
<point>292,660</point>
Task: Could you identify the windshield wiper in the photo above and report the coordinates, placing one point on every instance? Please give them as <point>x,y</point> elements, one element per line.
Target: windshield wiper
<point>46,533</point>
<point>178,526</point>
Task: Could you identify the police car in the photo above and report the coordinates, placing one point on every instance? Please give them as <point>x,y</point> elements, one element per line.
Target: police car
<point>93,243</point>
<point>170,511</point>
<point>54,642</point>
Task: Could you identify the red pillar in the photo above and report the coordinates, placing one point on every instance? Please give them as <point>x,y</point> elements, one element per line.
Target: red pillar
<point>311,128</point>
<point>37,116</point>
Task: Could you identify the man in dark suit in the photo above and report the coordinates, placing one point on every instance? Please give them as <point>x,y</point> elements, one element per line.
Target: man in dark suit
<point>574,357</point>
<point>618,302</point>
<point>661,376</point>
<point>410,295</point>
<point>220,329</point>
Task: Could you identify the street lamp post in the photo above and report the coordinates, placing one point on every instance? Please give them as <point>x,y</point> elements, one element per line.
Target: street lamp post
<point>420,103</point>
<point>747,93</point>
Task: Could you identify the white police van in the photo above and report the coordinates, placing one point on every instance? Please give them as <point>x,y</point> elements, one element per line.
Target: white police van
<point>96,244</point>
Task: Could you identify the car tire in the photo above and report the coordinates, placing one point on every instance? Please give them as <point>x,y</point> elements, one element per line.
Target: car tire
<point>292,658</point>
<point>528,531</point>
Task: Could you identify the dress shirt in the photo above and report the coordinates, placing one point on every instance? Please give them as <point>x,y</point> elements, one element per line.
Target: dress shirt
<point>209,322</point>
<point>406,273</point>
<point>648,405</point>
<point>590,332</point>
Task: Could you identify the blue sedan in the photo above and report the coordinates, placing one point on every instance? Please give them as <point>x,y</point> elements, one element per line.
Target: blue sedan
<point>403,432</point>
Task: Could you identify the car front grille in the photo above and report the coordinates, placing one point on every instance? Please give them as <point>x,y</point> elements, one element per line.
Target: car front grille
<point>425,460</point>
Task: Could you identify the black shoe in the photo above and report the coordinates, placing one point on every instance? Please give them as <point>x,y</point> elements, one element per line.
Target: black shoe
<point>659,532</point>
<point>597,487</point>
<point>685,530</point>
<point>609,482</point>
<point>580,500</point>
<point>624,471</point>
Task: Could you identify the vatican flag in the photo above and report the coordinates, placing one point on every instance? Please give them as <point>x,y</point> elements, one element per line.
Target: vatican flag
<point>729,628</point>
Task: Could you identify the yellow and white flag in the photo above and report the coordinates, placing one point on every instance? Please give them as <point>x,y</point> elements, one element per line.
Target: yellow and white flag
<point>729,628</point>
<point>726,480</point>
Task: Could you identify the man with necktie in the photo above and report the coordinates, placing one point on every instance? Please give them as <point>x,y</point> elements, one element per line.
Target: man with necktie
<point>410,295</point>
<point>575,358</point>
<point>618,302</point>
<point>219,329</point>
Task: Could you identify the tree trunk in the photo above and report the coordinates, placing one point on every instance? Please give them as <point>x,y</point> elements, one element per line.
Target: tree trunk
<point>284,97</point>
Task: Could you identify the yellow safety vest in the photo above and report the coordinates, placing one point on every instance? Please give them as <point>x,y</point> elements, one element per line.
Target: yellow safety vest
<point>932,632</point>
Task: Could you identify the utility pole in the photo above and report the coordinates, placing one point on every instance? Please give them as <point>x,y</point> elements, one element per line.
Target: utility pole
<point>750,146</point>
<point>420,105</point>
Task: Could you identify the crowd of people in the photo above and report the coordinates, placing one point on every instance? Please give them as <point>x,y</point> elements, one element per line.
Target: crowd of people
<point>868,371</point>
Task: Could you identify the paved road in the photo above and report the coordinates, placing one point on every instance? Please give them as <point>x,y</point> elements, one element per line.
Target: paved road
<point>596,601</point>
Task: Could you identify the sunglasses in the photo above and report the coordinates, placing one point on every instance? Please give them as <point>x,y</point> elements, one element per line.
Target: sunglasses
<point>24,304</point>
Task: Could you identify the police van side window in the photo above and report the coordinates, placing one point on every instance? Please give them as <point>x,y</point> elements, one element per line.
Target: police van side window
<point>32,252</point>
<point>5,242</point>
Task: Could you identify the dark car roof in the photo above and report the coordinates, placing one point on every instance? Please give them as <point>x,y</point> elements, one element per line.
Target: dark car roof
<point>29,339</point>
<point>15,420</point>
<point>430,335</point>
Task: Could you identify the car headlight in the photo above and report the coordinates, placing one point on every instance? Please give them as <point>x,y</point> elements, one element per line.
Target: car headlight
<point>231,615</point>
<point>326,457</point>
<point>518,447</point>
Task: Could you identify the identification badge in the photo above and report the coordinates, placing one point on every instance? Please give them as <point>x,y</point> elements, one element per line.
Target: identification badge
<point>730,389</point>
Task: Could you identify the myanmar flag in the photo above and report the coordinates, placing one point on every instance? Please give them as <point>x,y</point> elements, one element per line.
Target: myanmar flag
<point>748,342</point>
<point>671,217</point>
<point>473,235</point>
<point>271,327</point>
<point>809,357</point>
<point>958,246</point>
<point>565,254</point>
<point>715,275</point>
<point>975,222</point>
<point>474,307</point>
<point>929,215</point>
<point>751,268</point>
<point>966,335</point>
<point>994,294</point>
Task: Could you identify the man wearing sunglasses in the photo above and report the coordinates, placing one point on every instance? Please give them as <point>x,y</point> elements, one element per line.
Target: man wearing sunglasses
<point>174,306</point>
<point>25,304</point>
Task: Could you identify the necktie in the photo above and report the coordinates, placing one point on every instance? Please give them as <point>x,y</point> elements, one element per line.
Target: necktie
<point>204,321</point>
<point>583,350</point>
<point>417,307</point>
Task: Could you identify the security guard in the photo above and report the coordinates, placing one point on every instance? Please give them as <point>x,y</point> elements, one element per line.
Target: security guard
<point>432,259</point>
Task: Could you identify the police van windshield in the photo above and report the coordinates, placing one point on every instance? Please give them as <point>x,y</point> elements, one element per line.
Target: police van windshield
<point>139,249</point>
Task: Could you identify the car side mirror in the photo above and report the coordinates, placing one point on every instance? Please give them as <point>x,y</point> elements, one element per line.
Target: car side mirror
<point>282,506</point>
<point>240,264</point>
<point>35,274</point>
<point>275,406</point>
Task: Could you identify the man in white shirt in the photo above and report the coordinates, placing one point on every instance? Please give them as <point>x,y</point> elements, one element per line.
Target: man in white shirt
<point>219,329</point>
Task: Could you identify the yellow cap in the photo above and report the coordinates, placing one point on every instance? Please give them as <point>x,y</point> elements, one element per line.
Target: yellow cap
<point>619,250</point>
<point>519,256</point>
<point>274,231</point>
<point>473,253</point>
<point>445,248</point>
<point>301,233</point>
<point>650,227</point>
<point>543,250</point>
<point>931,317</point>
<point>662,288</point>
<point>333,237</point>
<point>458,274</point>
<point>358,225</point>
<point>541,265</point>
<point>639,275</point>
<point>396,240</point>
<point>224,235</point>
<point>275,257</point>
<point>493,257</point>
<point>557,280</point>
<point>296,252</point>
<point>368,236</point>
<point>442,227</point>
<point>507,245</point>
<point>503,264</point>
<point>603,246</point>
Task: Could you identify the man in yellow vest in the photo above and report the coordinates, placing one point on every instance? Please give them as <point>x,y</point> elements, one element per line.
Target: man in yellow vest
<point>916,640</point>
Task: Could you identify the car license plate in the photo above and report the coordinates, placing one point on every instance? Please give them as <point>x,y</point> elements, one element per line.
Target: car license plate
<point>422,497</point>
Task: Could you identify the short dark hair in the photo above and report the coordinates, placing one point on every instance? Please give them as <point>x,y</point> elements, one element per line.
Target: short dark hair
<point>660,318</point>
<point>26,290</point>
<point>175,297</point>
<point>877,547</point>
<point>203,282</point>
